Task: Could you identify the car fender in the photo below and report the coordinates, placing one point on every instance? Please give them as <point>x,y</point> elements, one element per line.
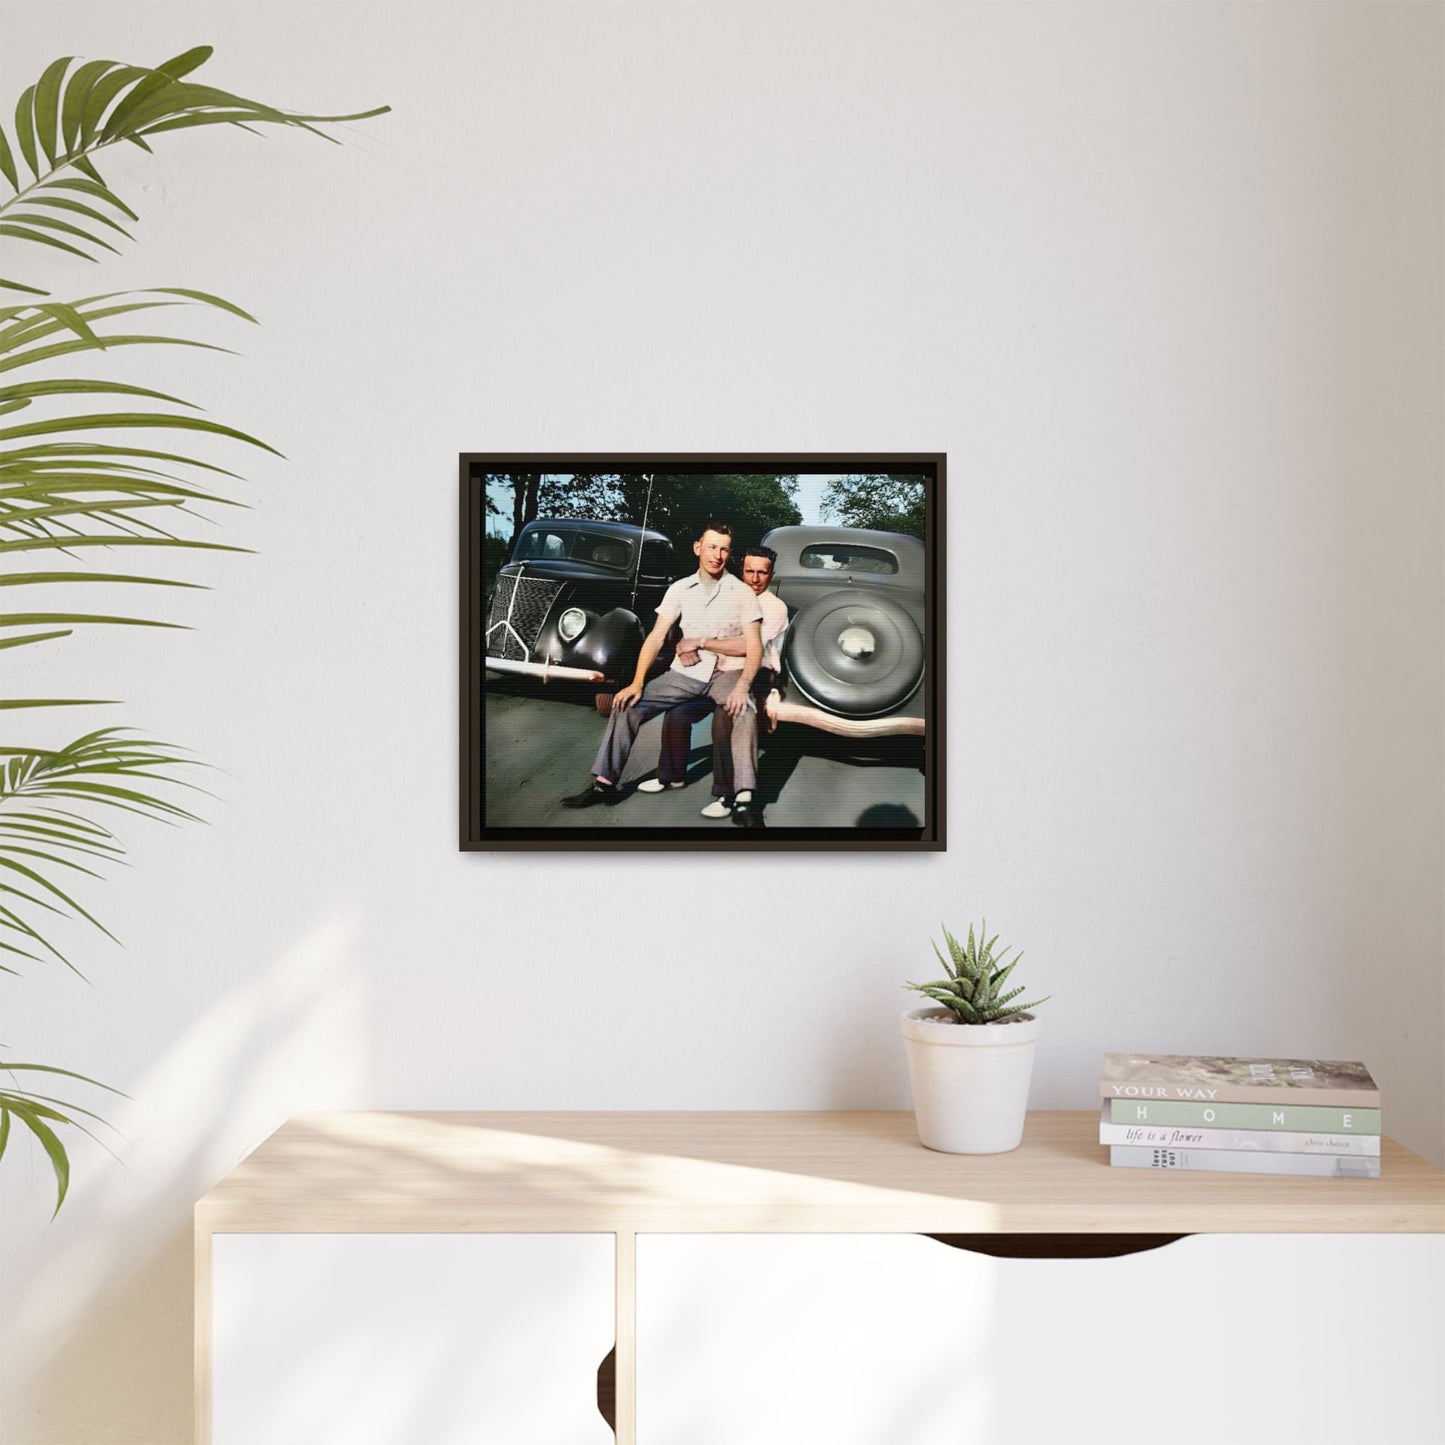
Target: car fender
<point>609,642</point>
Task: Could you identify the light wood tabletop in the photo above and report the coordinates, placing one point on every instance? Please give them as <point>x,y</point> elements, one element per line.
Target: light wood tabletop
<point>631,1174</point>
<point>763,1172</point>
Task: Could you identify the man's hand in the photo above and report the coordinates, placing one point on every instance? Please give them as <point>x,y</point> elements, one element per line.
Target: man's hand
<point>737,701</point>
<point>626,697</point>
<point>688,651</point>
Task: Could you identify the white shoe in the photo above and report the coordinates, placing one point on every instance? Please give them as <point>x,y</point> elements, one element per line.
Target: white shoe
<point>718,808</point>
<point>656,785</point>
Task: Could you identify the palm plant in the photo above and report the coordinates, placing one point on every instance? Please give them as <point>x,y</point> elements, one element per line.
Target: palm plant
<point>973,989</point>
<point>74,487</point>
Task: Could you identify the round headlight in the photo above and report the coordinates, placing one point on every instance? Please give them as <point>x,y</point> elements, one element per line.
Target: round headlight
<point>571,623</point>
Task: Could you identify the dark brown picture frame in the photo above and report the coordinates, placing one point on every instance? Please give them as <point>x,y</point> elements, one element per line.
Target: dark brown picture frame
<point>490,819</point>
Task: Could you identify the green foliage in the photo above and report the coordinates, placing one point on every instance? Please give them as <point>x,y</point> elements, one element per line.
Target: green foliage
<point>73,482</point>
<point>675,505</point>
<point>61,492</point>
<point>105,770</point>
<point>494,556</point>
<point>39,1113</point>
<point>596,496</point>
<point>973,989</point>
<point>593,496</point>
<point>682,505</point>
<point>69,115</point>
<point>895,502</point>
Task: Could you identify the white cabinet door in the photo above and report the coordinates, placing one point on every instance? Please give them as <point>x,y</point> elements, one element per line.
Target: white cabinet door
<point>900,1340</point>
<point>397,1339</point>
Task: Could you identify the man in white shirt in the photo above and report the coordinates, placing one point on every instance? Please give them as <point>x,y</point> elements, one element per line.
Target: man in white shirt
<point>709,604</point>
<point>757,567</point>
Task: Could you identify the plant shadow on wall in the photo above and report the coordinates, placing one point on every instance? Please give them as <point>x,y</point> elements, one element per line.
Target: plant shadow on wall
<point>74,488</point>
<point>100,1349</point>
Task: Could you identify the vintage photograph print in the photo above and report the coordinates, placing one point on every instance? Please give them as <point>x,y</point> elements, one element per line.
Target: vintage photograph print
<point>702,651</point>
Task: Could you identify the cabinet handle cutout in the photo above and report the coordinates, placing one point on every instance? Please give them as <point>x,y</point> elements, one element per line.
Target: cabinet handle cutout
<point>607,1389</point>
<point>1056,1246</point>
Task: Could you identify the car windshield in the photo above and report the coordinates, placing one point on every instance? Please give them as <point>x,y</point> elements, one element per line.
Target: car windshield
<point>848,557</point>
<point>575,545</point>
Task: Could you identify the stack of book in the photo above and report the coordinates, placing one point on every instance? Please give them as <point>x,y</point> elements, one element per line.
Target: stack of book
<point>1244,1116</point>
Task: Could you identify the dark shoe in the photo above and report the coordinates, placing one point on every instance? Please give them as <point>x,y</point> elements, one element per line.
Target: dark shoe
<point>590,797</point>
<point>748,815</point>
<point>602,701</point>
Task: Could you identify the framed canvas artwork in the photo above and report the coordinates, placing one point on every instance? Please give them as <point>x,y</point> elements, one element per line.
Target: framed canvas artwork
<point>732,651</point>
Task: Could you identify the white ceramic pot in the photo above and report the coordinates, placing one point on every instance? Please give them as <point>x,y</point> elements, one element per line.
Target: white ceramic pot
<point>970,1081</point>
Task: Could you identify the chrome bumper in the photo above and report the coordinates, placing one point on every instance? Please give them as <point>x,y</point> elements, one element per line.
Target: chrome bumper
<point>544,670</point>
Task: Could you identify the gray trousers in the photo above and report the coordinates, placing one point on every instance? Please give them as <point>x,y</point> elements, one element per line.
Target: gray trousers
<point>724,785</point>
<point>669,691</point>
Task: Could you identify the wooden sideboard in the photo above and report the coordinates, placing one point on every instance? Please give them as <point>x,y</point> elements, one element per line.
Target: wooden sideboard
<point>627,1175</point>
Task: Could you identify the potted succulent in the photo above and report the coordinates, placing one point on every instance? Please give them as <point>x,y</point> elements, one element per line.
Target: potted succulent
<point>971,1057</point>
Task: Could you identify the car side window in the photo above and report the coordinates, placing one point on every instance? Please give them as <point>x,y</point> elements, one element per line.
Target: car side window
<point>541,543</point>
<point>603,551</point>
<point>656,559</point>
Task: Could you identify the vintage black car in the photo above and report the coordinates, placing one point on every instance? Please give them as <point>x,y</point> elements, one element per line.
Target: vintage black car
<point>576,599</point>
<point>854,653</point>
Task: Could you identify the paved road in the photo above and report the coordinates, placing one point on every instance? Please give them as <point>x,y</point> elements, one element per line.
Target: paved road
<point>541,739</point>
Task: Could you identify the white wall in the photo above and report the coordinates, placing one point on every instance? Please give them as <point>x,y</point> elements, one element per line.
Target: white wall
<point>1165,283</point>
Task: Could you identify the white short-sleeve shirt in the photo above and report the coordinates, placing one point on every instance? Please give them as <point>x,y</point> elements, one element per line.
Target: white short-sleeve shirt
<point>708,609</point>
<point>775,623</point>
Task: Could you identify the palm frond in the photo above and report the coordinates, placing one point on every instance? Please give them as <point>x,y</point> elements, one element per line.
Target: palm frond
<point>109,768</point>
<point>64,490</point>
<point>40,1113</point>
<point>74,111</point>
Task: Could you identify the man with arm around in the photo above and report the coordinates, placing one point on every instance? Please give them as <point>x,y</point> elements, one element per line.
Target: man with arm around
<point>729,798</point>
<point>708,604</point>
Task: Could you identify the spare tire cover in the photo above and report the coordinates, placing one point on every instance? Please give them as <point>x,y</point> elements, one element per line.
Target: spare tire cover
<point>856,653</point>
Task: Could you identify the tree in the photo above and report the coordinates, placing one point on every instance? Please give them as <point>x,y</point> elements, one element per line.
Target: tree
<point>594,496</point>
<point>494,555</point>
<point>526,489</point>
<point>888,502</point>
<point>679,506</point>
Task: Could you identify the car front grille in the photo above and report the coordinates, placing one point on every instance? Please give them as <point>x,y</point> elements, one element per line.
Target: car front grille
<point>519,608</point>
